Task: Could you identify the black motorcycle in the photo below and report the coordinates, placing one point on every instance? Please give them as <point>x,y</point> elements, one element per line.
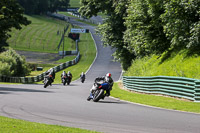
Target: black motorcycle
<point>68,79</point>
<point>64,80</point>
<point>48,80</point>
<point>98,91</point>
<point>82,79</point>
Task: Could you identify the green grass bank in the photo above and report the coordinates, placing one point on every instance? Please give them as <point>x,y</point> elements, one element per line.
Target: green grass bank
<point>180,64</point>
<point>42,35</point>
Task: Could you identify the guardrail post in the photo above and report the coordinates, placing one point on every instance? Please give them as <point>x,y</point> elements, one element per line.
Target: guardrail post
<point>197,91</point>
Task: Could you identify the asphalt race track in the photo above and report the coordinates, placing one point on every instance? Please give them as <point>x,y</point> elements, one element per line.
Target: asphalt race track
<point>67,105</point>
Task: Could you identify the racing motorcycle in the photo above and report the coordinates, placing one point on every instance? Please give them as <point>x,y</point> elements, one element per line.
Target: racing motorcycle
<point>48,80</point>
<point>82,79</point>
<point>98,91</point>
<point>64,80</point>
<point>68,79</point>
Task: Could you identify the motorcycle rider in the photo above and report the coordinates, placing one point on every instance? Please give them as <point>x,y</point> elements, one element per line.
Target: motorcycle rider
<point>51,72</point>
<point>82,76</point>
<point>63,75</point>
<point>69,75</point>
<point>107,85</point>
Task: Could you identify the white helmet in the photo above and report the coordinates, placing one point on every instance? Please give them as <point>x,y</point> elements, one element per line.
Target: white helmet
<point>108,75</point>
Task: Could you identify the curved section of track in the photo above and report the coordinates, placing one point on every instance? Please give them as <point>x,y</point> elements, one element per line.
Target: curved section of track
<point>67,105</point>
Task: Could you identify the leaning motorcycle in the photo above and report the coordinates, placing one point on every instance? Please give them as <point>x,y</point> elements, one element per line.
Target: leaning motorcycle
<point>48,80</point>
<point>98,90</point>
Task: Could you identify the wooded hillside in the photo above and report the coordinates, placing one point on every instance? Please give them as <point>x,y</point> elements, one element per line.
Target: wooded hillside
<point>139,28</point>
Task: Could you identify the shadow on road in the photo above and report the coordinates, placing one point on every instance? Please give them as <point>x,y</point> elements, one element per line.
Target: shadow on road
<point>5,90</point>
<point>116,102</point>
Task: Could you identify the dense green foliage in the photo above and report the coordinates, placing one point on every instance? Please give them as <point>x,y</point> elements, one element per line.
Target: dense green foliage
<point>12,64</point>
<point>42,35</point>
<point>182,23</point>
<point>11,15</point>
<point>139,28</point>
<point>155,26</point>
<point>144,32</point>
<point>43,6</point>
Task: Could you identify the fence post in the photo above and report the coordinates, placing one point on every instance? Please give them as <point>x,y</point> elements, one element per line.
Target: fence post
<point>197,91</point>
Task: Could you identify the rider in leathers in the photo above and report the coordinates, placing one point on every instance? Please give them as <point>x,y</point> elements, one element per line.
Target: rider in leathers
<point>69,75</point>
<point>51,72</point>
<point>82,76</point>
<point>63,75</point>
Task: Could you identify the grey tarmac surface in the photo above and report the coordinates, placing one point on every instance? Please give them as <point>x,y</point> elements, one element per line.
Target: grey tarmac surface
<point>67,105</point>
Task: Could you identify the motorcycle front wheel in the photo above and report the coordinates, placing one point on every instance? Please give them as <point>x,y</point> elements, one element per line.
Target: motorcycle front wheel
<point>46,83</point>
<point>98,95</point>
<point>64,82</point>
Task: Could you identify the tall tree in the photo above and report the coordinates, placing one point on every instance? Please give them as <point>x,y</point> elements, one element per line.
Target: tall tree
<point>113,28</point>
<point>182,23</point>
<point>11,15</point>
<point>144,31</point>
<point>43,6</point>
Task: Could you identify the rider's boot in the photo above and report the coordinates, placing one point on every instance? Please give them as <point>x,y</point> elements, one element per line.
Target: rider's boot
<point>90,97</point>
<point>103,96</point>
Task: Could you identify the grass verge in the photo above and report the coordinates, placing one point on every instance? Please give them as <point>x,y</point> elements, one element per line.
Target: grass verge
<point>9,125</point>
<point>154,100</point>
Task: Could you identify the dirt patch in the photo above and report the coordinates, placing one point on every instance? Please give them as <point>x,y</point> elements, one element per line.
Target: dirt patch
<point>40,58</point>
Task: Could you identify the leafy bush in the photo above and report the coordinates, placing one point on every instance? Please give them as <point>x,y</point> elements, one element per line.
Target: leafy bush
<point>4,68</point>
<point>12,64</point>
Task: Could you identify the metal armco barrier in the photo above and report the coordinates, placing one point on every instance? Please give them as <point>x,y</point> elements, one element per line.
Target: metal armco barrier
<point>41,76</point>
<point>187,88</point>
<point>197,90</point>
